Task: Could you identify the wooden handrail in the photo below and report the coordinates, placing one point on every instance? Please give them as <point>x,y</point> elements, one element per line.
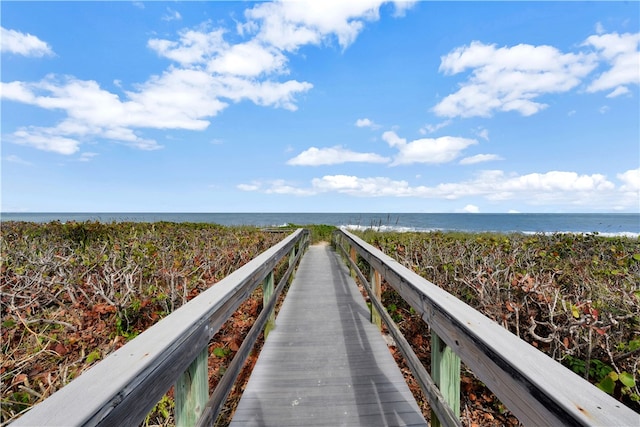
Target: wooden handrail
<point>436,400</point>
<point>536,388</point>
<point>126,385</point>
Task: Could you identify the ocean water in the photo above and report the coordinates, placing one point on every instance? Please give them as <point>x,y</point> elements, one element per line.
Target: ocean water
<point>605,224</point>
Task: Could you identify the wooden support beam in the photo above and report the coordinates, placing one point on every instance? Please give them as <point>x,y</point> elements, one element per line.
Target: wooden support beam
<point>376,288</point>
<point>292,260</point>
<point>267,292</point>
<point>354,257</point>
<point>192,391</point>
<point>445,371</point>
<point>292,256</point>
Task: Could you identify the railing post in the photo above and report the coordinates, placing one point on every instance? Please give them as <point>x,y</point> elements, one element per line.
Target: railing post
<point>292,255</point>
<point>376,288</point>
<point>292,259</point>
<point>192,391</point>
<point>354,258</point>
<point>267,292</point>
<point>445,371</point>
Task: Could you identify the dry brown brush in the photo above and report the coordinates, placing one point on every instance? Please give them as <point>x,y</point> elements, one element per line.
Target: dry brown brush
<point>72,293</point>
<point>575,297</point>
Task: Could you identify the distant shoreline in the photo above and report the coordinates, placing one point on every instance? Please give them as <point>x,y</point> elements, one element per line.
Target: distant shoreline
<point>609,224</point>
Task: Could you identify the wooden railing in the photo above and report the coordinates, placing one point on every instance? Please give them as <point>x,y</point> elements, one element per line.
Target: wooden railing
<point>126,385</point>
<point>537,389</point>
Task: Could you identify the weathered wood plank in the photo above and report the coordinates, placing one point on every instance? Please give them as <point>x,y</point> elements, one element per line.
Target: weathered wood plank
<point>436,400</point>
<point>537,389</point>
<point>445,370</point>
<point>192,391</point>
<point>376,291</point>
<point>325,363</point>
<point>267,292</point>
<point>220,394</point>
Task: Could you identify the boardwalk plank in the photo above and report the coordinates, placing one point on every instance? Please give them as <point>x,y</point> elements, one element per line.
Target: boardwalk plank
<point>325,364</point>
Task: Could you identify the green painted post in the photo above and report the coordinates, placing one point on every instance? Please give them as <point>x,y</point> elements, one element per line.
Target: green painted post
<point>376,288</point>
<point>267,292</point>
<point>192,391</point>
<point>445,371</point>
<point>292,255</point>
<point>292,258</point>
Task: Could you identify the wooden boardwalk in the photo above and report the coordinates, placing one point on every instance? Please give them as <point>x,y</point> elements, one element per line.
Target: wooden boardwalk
<point>325,364</point>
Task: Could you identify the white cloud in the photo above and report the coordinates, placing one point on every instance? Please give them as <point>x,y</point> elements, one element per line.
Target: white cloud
<point>249,59</point>
<point>554,188</point>
<point>483,133</point>
<point>366,123</point>
<point>279,186</point>
<point>604,109</point>
<point>631,180</point>
<point>17,160</point>
<point>266,93</point>
<point>87,156</point>
<point>207,75</point>
<point>470,209</point>
<point>172,15</point>
<point>291,24</point>
<point>620,90</point>
<point>362,187</point>
<point>282,187</point>
<point>402,7</point>
<point>332,156</point>
<point>599,28</point>
<point>426,150</point>
<point>509,78</point>
<point>429,128</point>
<point>479,158</point>
<point>493,185</point>
<point>46,141</point>
<point>249,187</point>
<point>620,51</point>
<point>178,99</point>
<point>193,46</point>
<point>12,41</point>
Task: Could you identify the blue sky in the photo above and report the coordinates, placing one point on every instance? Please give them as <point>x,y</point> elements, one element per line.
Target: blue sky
<point>361,106</point>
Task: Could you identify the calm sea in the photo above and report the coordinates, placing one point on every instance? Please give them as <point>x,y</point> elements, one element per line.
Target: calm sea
<point>606,224</point>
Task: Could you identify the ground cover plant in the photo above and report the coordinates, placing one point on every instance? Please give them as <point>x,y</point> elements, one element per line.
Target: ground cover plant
<point>74,292</point>
<point>575,297</point>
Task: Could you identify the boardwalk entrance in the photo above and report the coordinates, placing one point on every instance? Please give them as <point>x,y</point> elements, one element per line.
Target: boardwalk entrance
<point>325,363</point>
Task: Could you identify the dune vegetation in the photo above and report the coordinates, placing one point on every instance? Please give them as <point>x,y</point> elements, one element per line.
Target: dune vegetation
<point>74,292</point>
<point>575,297</point>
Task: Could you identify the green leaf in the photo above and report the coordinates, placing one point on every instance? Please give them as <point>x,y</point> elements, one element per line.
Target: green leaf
<point>636,257</point>
<point>607,385</point>
<point>9,323</point>
<point>627,379</point>
<point>93,356</point>
<point>220,352</point>
<point>575,312</point>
